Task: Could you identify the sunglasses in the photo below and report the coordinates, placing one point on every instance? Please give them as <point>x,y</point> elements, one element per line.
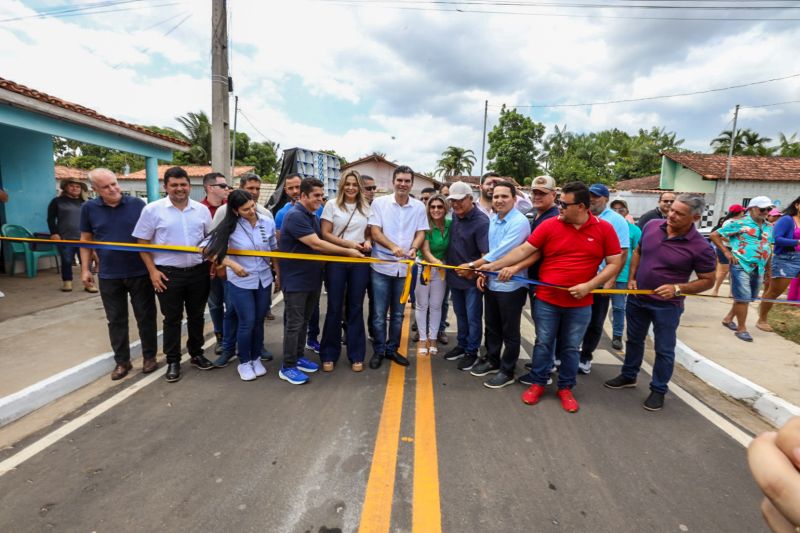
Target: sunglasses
<point>563,205</point>
<point>221,185</point>
<point>436,207</point>
<point>371,188</point>
<point>762,209</point>
<point>667,201</point>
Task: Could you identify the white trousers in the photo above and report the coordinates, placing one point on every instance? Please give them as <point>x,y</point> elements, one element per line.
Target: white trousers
<point>428,305</point>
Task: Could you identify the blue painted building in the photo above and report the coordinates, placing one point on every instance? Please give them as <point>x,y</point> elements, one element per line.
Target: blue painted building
<point>30,119</point>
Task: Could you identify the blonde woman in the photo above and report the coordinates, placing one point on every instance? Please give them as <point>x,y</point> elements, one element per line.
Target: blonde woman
<point>344,223</point>
<point>429,296</point>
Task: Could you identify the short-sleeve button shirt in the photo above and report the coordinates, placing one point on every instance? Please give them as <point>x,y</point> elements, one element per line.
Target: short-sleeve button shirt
<point>163,223</point>
<point>399,224</point>
<point>260,238</point>
<point>750,243</point>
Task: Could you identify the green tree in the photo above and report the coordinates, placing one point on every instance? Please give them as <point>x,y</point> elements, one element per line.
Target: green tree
<point>788,146</point>
<point>263,156</point>
<point>514,145</point>
<point>76,154</point>
<point>455,161</point>
<point>755,144</point>
<point>197,132</point>
<point>342,160</point>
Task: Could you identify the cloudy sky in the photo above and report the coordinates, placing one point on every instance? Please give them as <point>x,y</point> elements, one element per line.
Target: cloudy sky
<point>409,78</point>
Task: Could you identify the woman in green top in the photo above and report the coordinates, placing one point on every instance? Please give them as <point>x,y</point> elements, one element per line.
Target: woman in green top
<point>429,296</point>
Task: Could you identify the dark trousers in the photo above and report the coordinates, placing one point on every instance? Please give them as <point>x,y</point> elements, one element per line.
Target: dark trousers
<point>594,331</point>
<point>68,254</point>
<point>502,313</point>
<point>665,318</point>
<point>298,308</point>
<point>216,303</point>
<point>114,295</point>
<point>445,309</point>
<point>346,285</point>
<point>186,289</point>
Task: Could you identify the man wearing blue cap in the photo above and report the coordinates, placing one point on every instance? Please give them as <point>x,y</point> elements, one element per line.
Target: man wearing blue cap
<point>599,207</point>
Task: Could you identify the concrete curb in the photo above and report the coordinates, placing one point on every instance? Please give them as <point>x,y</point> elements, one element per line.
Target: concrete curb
<point>770,406</point>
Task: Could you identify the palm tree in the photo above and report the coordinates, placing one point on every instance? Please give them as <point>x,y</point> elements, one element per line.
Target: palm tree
<point>722,143</point>
<point>455,161</point>
<point>788,146</point>
<point>555,146</point>
<point>197,131</point>
<point>755,144</point>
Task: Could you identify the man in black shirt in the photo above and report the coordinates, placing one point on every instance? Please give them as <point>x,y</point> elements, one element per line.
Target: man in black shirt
<point>664,203</point>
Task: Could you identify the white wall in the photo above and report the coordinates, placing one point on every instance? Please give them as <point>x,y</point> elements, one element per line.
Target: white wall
<point>738,190</point>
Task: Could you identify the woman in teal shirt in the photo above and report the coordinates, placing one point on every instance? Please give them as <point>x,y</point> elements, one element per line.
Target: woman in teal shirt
<point>429,296</point>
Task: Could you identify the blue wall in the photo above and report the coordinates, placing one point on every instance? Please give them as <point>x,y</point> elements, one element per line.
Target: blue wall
<point>26,171</point>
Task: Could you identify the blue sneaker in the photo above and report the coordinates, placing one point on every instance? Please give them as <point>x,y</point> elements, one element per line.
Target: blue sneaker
<point>293,376</point>
<point>307,366</point>
<point>312,345</point>
<point>222,360</point>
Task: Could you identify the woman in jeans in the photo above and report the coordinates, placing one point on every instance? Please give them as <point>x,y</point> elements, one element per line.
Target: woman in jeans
<point>735,211</point>
<point>785,259</point>
<point>344,223</point>
<point>429,296</point>
<point>249,279</point>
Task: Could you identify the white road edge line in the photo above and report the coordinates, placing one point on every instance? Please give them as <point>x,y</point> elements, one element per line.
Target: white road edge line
<point>51,438</point>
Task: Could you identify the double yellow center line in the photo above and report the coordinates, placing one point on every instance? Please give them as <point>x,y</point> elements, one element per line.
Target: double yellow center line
<point>376,514</point>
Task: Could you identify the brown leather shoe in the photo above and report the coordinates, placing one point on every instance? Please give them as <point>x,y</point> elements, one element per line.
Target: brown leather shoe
<point>149,365</point>
<point>121,371</point>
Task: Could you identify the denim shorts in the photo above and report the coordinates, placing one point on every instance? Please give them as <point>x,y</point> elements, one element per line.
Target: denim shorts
<point>744,286</point>
<point>786,265</point>
<point>721,256</point>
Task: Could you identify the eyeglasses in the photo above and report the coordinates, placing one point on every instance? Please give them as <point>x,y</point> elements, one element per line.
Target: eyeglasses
<point>371,188</point>
<point>563,205</point>
<point>221,185</point>
<point>667,201</point>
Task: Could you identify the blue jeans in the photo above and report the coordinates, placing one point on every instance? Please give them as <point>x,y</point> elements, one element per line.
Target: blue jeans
<point>250,306</point>
<point>567,325</point>
<point>216,303</point>
<point>665,317</point>
<point>67,254</point>
<point>230,322</point>
<point>468,307</point>
<point>744,286</point>
<point>345,283</point>
<point>386,292</point>
<point>618,310</point>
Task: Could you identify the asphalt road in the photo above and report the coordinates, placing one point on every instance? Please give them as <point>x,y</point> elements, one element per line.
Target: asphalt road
<point>425,447</point>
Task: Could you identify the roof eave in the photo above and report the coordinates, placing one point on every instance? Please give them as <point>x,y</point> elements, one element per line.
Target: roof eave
<point>37,106</point>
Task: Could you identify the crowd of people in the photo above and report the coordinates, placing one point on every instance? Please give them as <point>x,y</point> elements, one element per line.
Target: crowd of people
<point>482,254</point>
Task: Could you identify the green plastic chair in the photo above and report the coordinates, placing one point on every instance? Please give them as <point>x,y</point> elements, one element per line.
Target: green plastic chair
<point>26,249</point>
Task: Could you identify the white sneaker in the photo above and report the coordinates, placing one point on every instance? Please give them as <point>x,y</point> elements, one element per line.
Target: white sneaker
<point>584,367</point>
<point>246,372</point>
<point>258,367</point>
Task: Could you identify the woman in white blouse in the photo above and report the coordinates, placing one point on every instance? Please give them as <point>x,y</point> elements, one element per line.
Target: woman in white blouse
<point>249,278</point>
<point>344,222</point>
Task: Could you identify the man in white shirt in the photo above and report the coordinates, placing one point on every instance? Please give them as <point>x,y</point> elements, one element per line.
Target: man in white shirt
<point>179,279</point>
<point>398,224</point>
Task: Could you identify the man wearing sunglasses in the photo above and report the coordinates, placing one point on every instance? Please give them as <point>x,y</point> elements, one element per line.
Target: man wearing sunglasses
<point>217,191</point>
<point>749,254</point>
<point>660,212</point>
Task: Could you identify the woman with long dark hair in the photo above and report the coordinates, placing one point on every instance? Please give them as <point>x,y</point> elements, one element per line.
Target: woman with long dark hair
<point>785,259</point>
<point>249,279</point>
<point>344,223</point>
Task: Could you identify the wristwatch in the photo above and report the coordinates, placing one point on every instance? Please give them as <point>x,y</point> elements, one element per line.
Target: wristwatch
<point>471,264</point>
<point>677,290</point>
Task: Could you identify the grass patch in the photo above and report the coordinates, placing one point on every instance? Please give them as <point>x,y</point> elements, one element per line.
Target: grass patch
<point>785,320</point>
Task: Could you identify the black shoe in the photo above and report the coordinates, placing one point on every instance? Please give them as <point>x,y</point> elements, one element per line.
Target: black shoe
<point>468,361</point>
<point>266,355</point>
<point>200,362</point>
<point>483,368</point>
<point>499,380</point>
<point>415,338</point>
<point>527,379</point>
<point>397,358</point>
<point>376,361</point>
<point>654,402</point>
<point>455,353</point>
<point>620,382</point>
<point>414,327</point>
<point>528,365</point>
<point>218,347</point>
<point>616,343</point>
<point>442,338</point>
<point>173,372</point>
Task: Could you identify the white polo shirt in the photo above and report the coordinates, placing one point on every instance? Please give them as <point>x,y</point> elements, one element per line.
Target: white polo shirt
<point>399,223</point>
<point>163,223</point>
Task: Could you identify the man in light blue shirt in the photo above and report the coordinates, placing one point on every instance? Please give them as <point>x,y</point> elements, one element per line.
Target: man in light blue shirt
<point>504,300</point>
<point>599,207</point>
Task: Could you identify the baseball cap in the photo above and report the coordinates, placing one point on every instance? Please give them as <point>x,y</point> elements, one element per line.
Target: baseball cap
<point>459,190</point>
<point>775,213</point>
<point>735,209</point>
<point>761,202</point>
<point>543,183</point>
<point>598,189</point>
<point>619,201</point>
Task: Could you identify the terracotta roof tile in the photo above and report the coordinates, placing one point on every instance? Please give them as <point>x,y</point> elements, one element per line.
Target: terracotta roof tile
<point>9,85</point>
<point>743,167</point>
<point>63,173</point>
<point>193,171</point>
<point>646,182</point>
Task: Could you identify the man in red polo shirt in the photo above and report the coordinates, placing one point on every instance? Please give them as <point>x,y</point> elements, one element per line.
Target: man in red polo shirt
<point>571,247</point>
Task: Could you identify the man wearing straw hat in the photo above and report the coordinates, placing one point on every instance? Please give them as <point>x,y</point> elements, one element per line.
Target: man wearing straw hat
<point>63,220</point>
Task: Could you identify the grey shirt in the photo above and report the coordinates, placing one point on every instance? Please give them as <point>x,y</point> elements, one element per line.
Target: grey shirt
<point>64,216</point>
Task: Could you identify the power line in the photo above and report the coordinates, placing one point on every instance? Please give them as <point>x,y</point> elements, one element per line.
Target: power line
<point>244,116</point>
<point>771,105</point>
<point>87,9</point>
<point>660,97</point>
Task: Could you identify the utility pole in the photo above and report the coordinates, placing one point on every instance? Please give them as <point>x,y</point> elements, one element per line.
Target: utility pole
<point>730,157</point>
<point>483,141</point>
<point>220,86</point>
<point>233,144</point>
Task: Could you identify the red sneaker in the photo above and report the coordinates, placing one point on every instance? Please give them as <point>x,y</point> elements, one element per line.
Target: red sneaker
<point>532,395</point>
<point>568,401</point>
